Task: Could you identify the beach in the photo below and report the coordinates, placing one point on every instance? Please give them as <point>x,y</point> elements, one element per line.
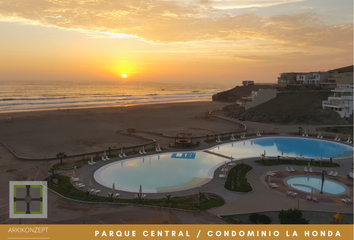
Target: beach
<point>43,134</point>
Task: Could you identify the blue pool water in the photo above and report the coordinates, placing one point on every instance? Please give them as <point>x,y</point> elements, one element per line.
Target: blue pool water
<point>291,147</point>
<point>315,182</point>
<point>179,171</point>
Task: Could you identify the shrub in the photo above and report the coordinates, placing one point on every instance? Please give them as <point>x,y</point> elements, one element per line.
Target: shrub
<point>291,217</point>
<point>264,219</point>
<point>254,218</point>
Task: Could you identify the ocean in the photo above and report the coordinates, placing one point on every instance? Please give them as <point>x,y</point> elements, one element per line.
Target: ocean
<point>41,95</point>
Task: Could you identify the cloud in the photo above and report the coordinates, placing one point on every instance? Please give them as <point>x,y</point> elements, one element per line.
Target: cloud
<point>179,21</point>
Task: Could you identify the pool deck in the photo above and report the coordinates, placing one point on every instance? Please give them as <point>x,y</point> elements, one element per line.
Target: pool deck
<point>262,198</point>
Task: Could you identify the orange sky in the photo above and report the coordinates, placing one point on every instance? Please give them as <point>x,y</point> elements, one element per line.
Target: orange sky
<point>199,40</point>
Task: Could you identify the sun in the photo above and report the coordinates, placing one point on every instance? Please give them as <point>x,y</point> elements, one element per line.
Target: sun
<point>124,75</point>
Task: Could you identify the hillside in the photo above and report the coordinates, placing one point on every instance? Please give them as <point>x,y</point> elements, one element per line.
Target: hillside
<point>289,108</point>
<point>237,92</point>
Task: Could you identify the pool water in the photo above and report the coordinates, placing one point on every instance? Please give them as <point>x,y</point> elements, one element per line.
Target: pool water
<point>160,173</point>
<point>180,171</point>
<point>310,148</point>
<point>329,186</point>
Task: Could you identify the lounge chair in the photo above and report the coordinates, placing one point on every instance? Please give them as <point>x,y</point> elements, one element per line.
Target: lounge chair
<point>143,196</point>
<point>80,185</point>
<point>338,140</point>
<point>143,151</point>
<point>287,169</point>
<point>310,170</point>
<point>90,163</point>
<point>103,159</point>
<point>305,169</point>
<point>330,173</point>
<point>74,179</point>
<point>97,191</point>
<point>318,136</point>
<point>92,190</point>
<point>273,185</point>
<point>307,135</point>
<point>308,197</point>
<point>303,135</point>
<point>292,169</point>
<point>107,158</point>
<point>293,194</point>
<point>314,198</point>
<point>116,195</point>
<point>350,175</point>
<point>288,192</point>
<point>335,174</point>
<point>270,173</point>
<point>344,200</point>
<point>321,136</point>
<point>139,152</point>
<point>222,175</point>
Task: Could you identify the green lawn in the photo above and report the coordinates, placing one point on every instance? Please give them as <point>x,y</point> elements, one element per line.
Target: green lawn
<point>274,162</point>
<point>236,179</point>
<point>191,202</point>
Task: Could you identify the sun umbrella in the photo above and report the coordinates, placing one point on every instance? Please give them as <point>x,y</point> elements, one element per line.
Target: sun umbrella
<point>90,183</point>
<point>264,152</point>
<point>337,216</point>
<point>104,153</point>
<point>140,190</point>
<point>311,193</point>
<point>121,150</point>
<point>282,152</point>
<point>301,154</point>
<point>225,167</point>
<point>113,187</point>
<point>91,158</point>
<point>269,178</point>
<point>308,164</point>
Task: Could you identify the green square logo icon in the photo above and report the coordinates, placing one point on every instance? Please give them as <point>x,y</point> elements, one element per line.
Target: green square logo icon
<point>28,199</point>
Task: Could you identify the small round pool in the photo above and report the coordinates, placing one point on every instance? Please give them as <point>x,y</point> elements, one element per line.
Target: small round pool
<point>306,184</point>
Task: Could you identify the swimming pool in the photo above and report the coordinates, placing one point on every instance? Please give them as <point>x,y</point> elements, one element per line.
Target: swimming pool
<point>291,146</point>
<point>160,173</point>
<point>306,184</point>
<point>169,172</point>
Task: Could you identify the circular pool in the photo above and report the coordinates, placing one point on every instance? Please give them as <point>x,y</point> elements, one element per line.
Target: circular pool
<point>168,172</point>
<point>306,184</point>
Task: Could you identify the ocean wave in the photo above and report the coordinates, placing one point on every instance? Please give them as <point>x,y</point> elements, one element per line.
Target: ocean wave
<point>31,99</point>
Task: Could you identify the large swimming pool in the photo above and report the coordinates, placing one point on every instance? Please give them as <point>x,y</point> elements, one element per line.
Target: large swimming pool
<point>180,171</point>
<point>306,184</point>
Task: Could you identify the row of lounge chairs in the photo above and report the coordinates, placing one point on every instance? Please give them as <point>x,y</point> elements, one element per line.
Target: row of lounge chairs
<point>333,174</point>
<point>79,185</point>
<point>94,191</point>
<point>291,169</point>
<point>311,198</point>
<point>115,195</point>
<point>143,196</point>
<point>308,170</point>
<point>91,163</point>
<point>105,158</point>
<point>270,173</point>
<point>291,193</point>
<point>273,185</point>
<point>346,200</point>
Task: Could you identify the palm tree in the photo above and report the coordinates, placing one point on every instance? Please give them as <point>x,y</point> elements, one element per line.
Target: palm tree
<point>61,155</point>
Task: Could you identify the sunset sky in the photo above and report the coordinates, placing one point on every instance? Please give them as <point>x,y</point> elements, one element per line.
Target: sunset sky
<point>199,40</point>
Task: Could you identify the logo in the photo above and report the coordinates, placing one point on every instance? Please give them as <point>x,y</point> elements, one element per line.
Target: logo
<point>28,199</point>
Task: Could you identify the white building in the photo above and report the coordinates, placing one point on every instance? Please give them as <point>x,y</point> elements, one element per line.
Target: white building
<point>257,97</point>
<point>312,77</point>
<point>246,83</point>
<point>341,101</point>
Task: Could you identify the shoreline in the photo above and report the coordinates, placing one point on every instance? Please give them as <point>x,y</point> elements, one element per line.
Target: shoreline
<point>102,107</point>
